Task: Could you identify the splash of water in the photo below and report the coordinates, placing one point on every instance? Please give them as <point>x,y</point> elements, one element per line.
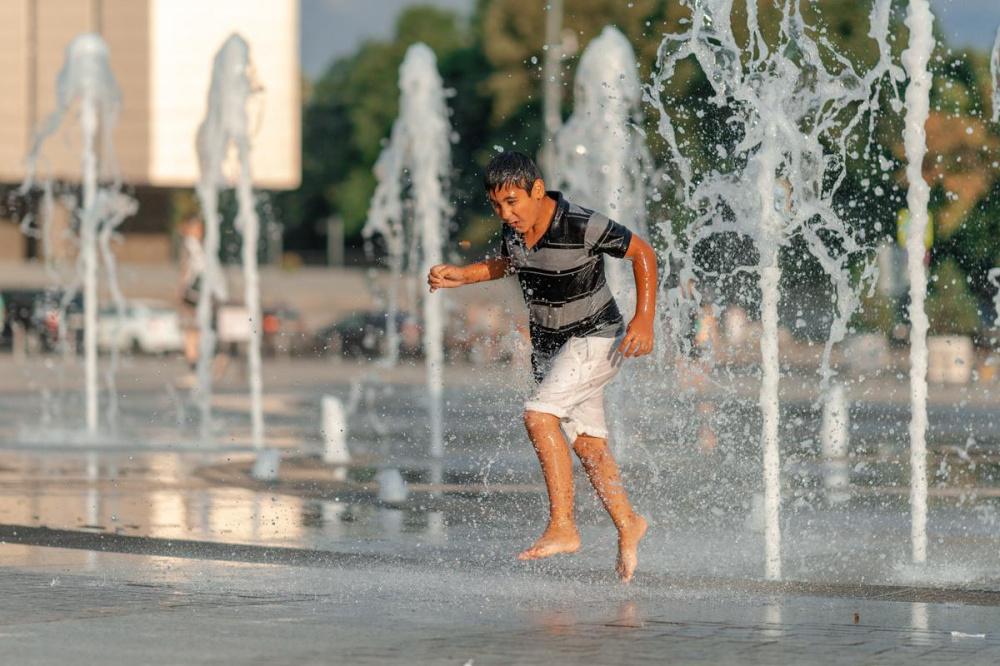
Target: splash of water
<point>86,80</point>
<point>385,218</point>
<point>413,169</point>
<point>994,277</point>
<point>834,439</point>
<point>920,22</point>
<point>225,126</point>
<point>796,115</point>
<point>601,154</point>
<point>600,160</point>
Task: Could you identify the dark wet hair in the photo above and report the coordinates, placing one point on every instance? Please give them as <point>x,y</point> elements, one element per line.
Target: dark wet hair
<point>511,168</point>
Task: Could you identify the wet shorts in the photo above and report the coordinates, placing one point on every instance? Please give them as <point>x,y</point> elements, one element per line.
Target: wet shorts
<point>572,387</point>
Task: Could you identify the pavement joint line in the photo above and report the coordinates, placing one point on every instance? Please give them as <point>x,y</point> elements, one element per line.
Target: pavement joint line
<point>189,549</point>
<point>304,557</point>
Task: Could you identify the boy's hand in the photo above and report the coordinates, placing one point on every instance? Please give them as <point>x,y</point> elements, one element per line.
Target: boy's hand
<point>638,337</point>
<point>445,276</point>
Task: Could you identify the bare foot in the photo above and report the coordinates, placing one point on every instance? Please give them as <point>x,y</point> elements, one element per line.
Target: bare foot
<point>556,539</point>
<point>628,546</point>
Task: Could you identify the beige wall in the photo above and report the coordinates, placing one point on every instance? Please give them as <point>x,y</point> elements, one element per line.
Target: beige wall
<point>125,26</point>
<point>186,36</point>
<point>143,248</point>
<point>14,120</point>
<point>161,54</point>
<point>57,23</point>
<point>12,241</point>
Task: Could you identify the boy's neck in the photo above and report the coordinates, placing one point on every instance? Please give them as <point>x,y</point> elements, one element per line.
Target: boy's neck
<point>547,211</point>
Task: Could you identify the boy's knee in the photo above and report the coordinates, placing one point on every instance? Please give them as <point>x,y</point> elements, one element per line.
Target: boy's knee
<point>534,420</point>
<point>589,447</point>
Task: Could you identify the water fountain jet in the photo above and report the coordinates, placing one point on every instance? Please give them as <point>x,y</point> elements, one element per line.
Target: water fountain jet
<point>415,165</point>
<point>993,276</point>
<point>600,160</point>
<point>86,79</point>
<point>793,122</point>
<point>834,439</point>
<point>225,126</point>
<point>920,22</point>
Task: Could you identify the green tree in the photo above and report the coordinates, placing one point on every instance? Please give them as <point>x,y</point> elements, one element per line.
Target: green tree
<point>961,168</point>
<point>494,66</point>
<point>951,307</point>
<point>347,116</point>
<point>512,33</point>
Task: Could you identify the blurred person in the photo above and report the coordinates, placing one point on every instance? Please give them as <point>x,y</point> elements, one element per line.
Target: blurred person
<point>706,343</point>
<point>736,324</point>
<point>193,264</point>
<point>697,358</point>
<point>579,340</point>
<point>192,232</point>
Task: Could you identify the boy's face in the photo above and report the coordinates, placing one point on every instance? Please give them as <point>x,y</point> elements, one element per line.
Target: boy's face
<point>518,207</point>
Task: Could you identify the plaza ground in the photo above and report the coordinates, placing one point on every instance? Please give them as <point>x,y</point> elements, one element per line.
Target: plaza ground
<point>149,547</point>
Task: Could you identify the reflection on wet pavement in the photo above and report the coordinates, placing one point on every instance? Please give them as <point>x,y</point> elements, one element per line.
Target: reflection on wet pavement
<point>159,495</point>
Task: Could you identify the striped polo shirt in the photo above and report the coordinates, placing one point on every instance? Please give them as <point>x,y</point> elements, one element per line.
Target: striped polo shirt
<point>562,278</point>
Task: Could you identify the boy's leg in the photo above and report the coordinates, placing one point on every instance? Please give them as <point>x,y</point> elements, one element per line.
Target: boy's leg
<point>561,535</point>
<point>604,476</point>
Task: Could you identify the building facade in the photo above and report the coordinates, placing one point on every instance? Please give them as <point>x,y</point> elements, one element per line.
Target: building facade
<point>161,54</point>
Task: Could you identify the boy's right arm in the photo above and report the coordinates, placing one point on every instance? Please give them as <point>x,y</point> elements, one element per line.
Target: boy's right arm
<point>446,276</point>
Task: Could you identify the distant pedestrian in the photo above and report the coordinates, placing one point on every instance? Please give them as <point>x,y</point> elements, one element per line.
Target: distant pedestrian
<point>192,232</point>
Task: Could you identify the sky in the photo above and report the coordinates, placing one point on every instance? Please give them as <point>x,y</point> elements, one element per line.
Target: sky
<point>335,28</point>
<point>968,22</point>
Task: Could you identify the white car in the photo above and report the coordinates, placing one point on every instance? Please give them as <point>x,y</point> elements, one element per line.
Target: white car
<point>150,327</point>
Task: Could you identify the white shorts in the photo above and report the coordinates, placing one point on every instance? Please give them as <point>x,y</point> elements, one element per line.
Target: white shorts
<point>573,385</point>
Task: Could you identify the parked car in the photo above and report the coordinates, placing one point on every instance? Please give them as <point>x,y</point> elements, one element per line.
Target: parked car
<point>150,327</point>
<point>363,334</point>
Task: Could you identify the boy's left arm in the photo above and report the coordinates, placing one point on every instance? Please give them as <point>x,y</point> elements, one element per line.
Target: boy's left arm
<point>639,334</point>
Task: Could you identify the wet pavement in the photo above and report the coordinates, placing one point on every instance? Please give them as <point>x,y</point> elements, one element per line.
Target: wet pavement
<point>146,547</point>
<point>82,607</point>
<point>133,555</point>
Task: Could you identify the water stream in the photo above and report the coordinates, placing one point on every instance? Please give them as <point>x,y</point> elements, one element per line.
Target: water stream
<point>410,210</point>
<point>87,83</point>
<point>789,115</point>
<point>600,161</point>
<point>225,127</point>
<point>920,21</point>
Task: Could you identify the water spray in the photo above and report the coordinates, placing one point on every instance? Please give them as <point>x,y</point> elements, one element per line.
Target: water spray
<point>793,122</point>
<point>86,80</point>
<point>225,126</point>
<point>920,21</point>
<point>414,168</point>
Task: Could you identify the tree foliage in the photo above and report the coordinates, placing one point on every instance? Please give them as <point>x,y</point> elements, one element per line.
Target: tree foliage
<point>513,39</point>
<point>494,65</point>
<point>951,307</point>
<point>349,113</point>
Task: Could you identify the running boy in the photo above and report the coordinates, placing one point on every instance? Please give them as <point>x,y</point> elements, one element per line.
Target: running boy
<point>578,338</point>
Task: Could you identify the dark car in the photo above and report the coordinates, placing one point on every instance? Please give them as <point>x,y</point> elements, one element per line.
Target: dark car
<point>363,335</point>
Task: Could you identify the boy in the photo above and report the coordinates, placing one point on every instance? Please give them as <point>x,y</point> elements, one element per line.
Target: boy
<point>577,336</point>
